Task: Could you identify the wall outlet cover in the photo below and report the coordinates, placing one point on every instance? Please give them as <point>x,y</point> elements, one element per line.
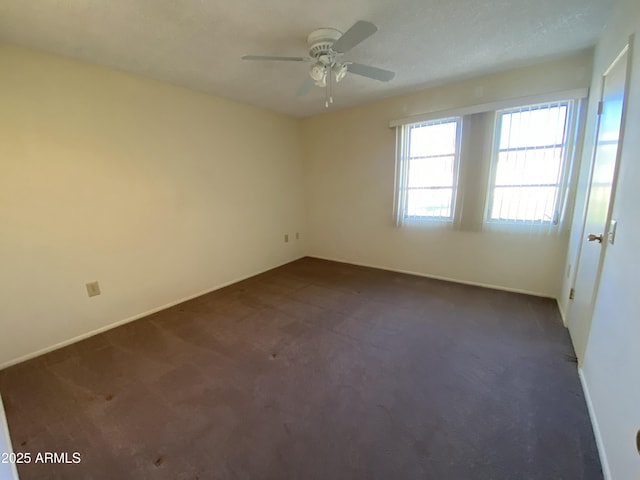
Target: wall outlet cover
<point>93,289</point>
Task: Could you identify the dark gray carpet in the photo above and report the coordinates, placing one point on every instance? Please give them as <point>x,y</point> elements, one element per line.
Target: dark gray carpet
<point>315,370</point>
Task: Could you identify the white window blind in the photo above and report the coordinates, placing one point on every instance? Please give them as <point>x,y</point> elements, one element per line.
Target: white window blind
<point>529,164</point>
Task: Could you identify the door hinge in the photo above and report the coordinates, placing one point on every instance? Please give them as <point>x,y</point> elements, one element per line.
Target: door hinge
<point>572,293</point>
<point>600,107</point>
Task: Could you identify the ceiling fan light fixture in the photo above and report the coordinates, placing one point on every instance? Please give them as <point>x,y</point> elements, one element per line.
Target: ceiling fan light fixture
<point>339,71</point>
<point>318,72</point>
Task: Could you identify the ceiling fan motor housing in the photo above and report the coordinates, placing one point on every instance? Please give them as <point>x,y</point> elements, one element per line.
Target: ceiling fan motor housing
<point>321,40</point>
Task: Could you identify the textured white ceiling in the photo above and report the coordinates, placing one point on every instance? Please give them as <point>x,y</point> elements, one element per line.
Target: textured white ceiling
<point>198,43</point>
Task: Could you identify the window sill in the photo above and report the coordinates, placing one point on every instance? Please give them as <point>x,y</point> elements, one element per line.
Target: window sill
<point>426,222</point>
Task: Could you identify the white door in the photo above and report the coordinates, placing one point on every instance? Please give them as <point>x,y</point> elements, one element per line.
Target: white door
<point>597,222</point>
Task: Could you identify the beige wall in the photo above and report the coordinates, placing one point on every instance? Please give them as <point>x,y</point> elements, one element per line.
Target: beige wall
<point>157,192</point>
<point>610,366</point>
<point>349,168</point>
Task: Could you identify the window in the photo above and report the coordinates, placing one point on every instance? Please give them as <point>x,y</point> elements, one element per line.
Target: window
<point>500,166</point>
<point>428,170</point>
<point>528,172</point>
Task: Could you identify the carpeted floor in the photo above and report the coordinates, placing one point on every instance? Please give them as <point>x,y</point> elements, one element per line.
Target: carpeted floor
<point>314,370</point>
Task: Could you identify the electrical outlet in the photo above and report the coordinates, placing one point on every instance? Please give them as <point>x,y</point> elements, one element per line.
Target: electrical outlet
<point>93,289</point>
<point>297,235</point>
<point>286,238</point>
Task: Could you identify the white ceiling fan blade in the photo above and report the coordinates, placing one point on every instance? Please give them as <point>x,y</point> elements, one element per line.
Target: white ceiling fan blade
<point>371,72</point>
<point>272,58</point>
<point>306,87</point>
<point>360,31</point>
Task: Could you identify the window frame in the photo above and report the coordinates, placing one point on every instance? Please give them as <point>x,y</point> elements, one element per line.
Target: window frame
<point>566,161</point>
<point>403,145</point>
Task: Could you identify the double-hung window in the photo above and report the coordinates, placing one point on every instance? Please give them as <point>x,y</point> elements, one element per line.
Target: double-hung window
<point>427,171</point>
<point>529,164</point>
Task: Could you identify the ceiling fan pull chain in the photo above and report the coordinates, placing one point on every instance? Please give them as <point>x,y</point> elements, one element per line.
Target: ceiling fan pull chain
<point>330,84</point>
<point>327,87</point>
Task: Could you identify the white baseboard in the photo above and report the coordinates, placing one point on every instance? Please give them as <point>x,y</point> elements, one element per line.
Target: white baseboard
<point>561,310</point>
<point>596,429</point>
<point>97,331</point>
<point>437,277</point>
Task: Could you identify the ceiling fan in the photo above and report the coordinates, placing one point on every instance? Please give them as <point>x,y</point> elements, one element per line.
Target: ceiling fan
<point>326,47</point>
